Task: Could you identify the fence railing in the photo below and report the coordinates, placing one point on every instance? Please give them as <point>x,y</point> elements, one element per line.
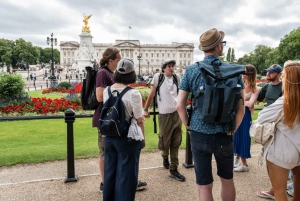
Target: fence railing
<point>70,117</point>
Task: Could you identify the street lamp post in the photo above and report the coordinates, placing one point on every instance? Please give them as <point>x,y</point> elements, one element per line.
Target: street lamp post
<point>139,58</point>
<point>148,62</point>
<point>52,76</point>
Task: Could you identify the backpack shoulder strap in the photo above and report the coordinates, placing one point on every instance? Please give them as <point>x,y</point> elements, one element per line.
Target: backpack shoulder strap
<point>161,79</point>
<point>175,80</point>
<point>109,91</point>
<point>124,91</point>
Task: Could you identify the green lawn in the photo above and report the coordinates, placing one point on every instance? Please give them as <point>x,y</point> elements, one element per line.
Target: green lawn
<point>38,94</point>
<point>34,141</point>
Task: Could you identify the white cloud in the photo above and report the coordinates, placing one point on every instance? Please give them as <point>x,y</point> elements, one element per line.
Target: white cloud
<point>246,23</point>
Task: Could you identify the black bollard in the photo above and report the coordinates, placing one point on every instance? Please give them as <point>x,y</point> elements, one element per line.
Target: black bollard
<point>188,151</point>
<point>41,87</point>
<point>47,83</point>
<point>69,119</point>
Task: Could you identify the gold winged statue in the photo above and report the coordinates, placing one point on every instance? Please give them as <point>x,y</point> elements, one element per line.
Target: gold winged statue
<point>86,21</point>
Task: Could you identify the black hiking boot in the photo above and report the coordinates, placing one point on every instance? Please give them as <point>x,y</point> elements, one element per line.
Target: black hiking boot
<point>166,163</point>
<point>176,175</point>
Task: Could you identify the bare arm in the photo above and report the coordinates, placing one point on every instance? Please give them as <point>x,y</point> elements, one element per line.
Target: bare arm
<point>140,122</point>
<point>99,94</point>
<point>240,111</point>
<point>250,103</point>
<point>181,106</point>
<point>149,100</point>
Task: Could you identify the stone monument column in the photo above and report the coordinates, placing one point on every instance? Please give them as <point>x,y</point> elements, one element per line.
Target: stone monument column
<point>86,55</point>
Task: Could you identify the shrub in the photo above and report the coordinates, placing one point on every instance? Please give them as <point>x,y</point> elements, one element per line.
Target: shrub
<point>11,86</point>
<point>262,84</point>
<point>65,85</point>
<point>258,77</point>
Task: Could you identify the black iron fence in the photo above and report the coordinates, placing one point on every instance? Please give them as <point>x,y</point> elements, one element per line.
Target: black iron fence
<point>69,118</point>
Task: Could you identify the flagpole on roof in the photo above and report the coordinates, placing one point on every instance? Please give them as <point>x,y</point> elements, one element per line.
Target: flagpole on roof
<point>129,32</point>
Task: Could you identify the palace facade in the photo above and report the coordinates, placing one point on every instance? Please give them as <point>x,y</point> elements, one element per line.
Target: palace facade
<point>146,57</point>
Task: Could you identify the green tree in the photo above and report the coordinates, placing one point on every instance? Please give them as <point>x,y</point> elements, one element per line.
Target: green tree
<point>26,50</point>
<point>6,50</point>
<point>259,56</point>
<point>273,57</point>
<point>46,55</point>
<point>228,57</point>
<point>232,56</point>
<point>289,46</point>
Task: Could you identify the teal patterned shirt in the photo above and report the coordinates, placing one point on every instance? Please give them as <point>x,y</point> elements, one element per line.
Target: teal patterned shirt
<point>190,82</point>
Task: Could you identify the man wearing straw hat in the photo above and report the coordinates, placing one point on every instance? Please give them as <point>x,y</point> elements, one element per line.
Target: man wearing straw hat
<point>210,138</point>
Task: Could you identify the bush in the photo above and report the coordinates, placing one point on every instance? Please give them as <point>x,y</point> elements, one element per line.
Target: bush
<point>258,77</point>
<point>11,86</point>
<point>65,85</point>
<point>262,84</point>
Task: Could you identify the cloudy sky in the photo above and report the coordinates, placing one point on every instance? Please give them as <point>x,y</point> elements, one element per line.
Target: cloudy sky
<point>246,23</point>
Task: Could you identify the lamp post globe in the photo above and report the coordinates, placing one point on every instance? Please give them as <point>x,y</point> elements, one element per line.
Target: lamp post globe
<point>51,40</point>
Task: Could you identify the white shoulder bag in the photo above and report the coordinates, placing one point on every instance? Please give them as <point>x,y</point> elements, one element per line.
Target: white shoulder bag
<point>261,133</point>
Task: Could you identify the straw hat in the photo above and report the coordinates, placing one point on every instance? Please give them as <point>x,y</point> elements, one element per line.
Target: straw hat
<point>210,39</point>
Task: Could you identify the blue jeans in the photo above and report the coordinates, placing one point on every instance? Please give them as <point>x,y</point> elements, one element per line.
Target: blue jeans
<point>121,167</point>
<point>203,147</point>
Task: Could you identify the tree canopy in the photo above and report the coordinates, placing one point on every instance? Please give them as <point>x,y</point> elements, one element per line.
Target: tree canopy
<point>12,52</point>
<point>263,56</point>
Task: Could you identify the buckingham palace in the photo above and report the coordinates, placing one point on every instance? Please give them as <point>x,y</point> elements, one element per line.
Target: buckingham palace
<point>147,57</point>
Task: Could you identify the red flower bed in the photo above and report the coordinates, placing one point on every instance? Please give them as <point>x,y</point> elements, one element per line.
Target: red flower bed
<point>259,81</point>
<point>77,89</point>
<point>140,84</point>
<point>41,106</point>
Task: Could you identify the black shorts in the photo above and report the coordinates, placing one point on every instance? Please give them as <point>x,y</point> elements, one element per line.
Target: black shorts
<point>203,146</point>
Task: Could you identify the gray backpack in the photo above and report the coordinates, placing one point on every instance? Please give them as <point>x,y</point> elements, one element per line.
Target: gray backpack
<point>220,92</point>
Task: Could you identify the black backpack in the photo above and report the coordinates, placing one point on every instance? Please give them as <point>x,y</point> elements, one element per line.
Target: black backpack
<point>112,122</point>
<point>88,91</point>
<point>220,92</point>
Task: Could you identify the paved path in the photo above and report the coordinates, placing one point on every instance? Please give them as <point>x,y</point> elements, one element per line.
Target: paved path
<point>45,181</point>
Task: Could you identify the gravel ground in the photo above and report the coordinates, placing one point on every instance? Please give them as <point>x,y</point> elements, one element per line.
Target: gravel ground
<point>45,181</point>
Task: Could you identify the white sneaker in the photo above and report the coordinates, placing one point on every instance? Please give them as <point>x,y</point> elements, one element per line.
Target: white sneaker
<point>236,162</point>
<point>241,168</point>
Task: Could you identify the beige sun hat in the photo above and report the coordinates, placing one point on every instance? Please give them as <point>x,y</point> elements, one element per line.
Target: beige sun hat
<point>210,39</point>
